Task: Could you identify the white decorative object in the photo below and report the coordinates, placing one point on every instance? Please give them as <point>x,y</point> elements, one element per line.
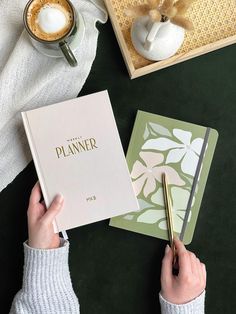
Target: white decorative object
<point>156,40</point>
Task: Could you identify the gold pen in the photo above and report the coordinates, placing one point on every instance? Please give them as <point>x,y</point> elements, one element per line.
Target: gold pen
<point>169,219</point>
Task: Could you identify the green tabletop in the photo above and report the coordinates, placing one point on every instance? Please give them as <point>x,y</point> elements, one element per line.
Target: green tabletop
<point>116,271</point>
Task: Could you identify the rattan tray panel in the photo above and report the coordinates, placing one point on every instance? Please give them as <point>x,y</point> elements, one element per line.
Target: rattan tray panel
<point>213,20</point>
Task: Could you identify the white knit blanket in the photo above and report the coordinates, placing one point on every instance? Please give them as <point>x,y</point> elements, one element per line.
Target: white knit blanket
<point>29,79</point>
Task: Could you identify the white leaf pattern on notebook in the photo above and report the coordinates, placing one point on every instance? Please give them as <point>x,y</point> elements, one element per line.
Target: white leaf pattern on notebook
<point>187,152</point>
<point>146,173</point>
<point>180,199</point>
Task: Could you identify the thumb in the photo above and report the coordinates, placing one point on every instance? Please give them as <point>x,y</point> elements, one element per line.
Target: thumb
<point>167,265</point>
<point>54,209</point>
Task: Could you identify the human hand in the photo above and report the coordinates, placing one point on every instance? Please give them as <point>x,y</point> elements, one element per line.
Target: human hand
<point>191,279</point>
<point>40,228</point>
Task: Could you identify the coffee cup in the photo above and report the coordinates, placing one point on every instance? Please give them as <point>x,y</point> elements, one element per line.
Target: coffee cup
<point>54,27</point>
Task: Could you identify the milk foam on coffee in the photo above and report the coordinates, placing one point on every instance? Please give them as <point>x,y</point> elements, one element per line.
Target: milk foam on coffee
<point>49,19</point>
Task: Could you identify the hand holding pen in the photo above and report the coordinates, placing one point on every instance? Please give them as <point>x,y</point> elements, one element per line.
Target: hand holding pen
<point>183,276</point>
<point>191,279</point>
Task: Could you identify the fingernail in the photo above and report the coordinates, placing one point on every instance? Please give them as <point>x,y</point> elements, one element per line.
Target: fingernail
<point>167,249</point>
<point>59,198</point>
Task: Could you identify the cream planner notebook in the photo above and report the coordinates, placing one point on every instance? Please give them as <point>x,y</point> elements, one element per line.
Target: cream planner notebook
<point>77,152</point>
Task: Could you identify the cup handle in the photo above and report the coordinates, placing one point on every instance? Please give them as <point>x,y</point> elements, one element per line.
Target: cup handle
<point>68,54</point>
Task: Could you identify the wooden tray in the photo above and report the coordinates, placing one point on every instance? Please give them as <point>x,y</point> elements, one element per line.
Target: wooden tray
<point>214,27</point>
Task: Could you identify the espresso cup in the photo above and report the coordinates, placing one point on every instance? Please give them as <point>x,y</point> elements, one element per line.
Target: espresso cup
<point>53,27</point>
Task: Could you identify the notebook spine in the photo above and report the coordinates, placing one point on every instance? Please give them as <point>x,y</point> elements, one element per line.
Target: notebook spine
<point>37,163</point>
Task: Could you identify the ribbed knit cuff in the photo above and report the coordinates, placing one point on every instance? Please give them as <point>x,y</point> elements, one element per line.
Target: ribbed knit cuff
<point>44,264</point>
<point>47,286</point>
<point>195,306</point>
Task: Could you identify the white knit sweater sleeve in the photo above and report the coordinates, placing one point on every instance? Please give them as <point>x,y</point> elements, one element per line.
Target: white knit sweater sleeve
<point>47,286</point>
<point>195,306</point>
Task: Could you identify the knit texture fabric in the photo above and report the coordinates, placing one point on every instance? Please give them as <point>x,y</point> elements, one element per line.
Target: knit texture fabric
<point>28,79</point>
<point>196,306</point>
<point>47,287</point>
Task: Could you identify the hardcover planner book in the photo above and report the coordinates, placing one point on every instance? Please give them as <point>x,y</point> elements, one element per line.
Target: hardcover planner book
<point>182,150</point>
<point>77,152</point>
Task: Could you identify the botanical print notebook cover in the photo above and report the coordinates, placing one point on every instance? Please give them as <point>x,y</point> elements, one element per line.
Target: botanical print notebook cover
<point>180,149</point>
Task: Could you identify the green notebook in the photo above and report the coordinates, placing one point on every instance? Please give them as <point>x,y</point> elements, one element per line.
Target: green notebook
<point>182,150</point>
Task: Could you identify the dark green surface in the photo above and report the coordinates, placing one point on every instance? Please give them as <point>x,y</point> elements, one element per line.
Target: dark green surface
<point>116,271</point>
